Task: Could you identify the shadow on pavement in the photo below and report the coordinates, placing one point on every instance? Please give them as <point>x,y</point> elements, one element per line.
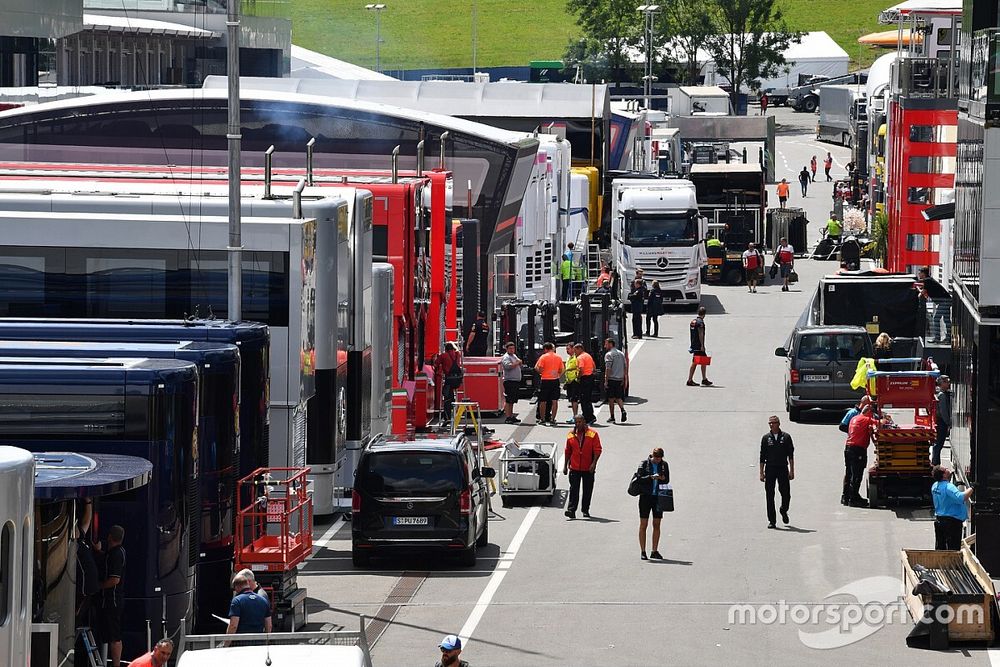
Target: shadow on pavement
<point>821,417</point>
<point>712,305</point>
<point>671,561</point>
<point>436,633</point>
<point>914,513</point>
<point>793,529</point>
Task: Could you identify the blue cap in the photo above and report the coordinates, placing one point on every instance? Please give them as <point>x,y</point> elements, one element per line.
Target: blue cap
<point>450,643</point>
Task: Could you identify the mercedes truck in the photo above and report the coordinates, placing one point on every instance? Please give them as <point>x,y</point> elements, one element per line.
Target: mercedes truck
<point>656,227</point>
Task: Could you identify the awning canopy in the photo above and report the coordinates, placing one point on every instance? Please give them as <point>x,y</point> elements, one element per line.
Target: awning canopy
<point>900,12</point>
<point>134,26</point>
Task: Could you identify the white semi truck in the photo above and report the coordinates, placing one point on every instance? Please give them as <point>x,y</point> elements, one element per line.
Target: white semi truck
<point>656,227</point>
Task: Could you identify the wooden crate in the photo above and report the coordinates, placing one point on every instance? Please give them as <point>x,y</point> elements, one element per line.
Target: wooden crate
<point>959,629</point>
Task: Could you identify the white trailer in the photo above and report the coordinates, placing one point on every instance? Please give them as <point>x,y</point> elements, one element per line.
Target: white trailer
<point>699,101</point>
<point>656,227</point>
<point>835,103</point>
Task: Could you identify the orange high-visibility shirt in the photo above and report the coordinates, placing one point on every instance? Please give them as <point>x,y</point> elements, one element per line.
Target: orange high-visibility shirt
<point>550,366</point>
<point>782,189</point>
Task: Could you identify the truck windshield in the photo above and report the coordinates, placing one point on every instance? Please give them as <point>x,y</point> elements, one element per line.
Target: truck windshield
<point>661,229</point>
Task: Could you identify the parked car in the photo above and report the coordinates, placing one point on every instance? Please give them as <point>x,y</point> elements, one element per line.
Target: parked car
<point>420,495</point>
<point>821,364</point>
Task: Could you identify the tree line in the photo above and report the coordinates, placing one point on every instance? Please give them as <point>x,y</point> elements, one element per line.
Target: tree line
<point>745,38</point>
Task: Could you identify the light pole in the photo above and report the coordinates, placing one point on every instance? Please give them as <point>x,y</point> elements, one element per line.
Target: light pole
<point>378,33</point>
<point>650,12</point>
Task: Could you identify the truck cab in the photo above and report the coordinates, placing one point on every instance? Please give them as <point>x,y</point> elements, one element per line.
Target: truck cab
<point>656,227</point>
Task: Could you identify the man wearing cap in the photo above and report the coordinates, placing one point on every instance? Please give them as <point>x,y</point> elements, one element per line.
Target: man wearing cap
<point>583,448</point>
<point>451,649</point>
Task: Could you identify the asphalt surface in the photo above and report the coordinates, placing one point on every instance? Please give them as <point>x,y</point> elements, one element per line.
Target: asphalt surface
<point>553,591</point>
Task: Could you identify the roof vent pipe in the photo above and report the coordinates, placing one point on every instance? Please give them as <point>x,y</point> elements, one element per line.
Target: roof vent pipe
<point>297,199</point>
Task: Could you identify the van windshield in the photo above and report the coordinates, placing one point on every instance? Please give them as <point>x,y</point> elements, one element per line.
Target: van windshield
<point>412,472</point>
<point>833,347</point>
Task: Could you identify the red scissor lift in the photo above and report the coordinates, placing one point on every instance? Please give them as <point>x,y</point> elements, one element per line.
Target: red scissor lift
<point>273,535</point>
<point>902,468</point>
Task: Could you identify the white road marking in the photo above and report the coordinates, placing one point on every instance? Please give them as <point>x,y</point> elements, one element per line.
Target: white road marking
<point>507,559</point>
<point>994,655</point>
<point>328,535</point>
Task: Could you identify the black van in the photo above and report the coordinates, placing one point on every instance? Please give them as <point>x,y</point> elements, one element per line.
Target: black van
<point>420,495</point>
<point>822,361</point>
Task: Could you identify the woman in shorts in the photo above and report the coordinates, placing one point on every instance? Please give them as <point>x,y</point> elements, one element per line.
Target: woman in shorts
<point>654,471</point>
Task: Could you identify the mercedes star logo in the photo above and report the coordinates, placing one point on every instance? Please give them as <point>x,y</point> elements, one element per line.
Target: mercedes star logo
<point>662,262</point>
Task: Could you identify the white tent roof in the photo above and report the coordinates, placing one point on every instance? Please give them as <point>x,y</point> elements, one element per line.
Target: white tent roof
<point>136,26</point>
<point>815,46</point>
<point>514,99</point>
<point>313,65</point>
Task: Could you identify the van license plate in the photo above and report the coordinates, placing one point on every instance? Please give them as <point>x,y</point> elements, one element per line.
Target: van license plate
<point>409,521</point>
<point>816,378</point>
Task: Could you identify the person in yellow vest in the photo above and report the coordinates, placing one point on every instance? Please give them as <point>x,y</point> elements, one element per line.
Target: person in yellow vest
<point>571,379</point>
<point>711,241</point>
<point>565,276</point>
<point>834,229</point>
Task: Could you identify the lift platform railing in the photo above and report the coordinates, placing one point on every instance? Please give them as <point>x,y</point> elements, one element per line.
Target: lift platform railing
<point>274,519</point>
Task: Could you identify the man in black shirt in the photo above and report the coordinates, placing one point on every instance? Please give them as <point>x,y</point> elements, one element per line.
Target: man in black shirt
<point>112,595</point>
<point>777,464</point>
<point>477,340</point>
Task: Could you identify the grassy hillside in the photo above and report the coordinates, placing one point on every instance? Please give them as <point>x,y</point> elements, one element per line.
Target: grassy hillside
<point>438,33</point>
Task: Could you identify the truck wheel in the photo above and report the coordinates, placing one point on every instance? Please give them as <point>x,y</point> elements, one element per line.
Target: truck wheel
<point>360,558</point>
<point>873,495</point>
<point>809,104</point>
<point>468,557</point>
<point>734,277</point>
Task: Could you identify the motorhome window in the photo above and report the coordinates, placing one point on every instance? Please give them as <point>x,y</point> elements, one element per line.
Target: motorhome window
<point>659,229</point>
<point>101,282</point>
<point>916,242</point>
<point>931,196</point>
<point>46,416</point>
<point>425,472</point>
<point>932,165</point>
<point>933,133</point>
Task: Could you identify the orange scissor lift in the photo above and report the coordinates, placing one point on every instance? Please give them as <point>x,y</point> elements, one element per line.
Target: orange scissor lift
<point>273,535</point>
<point>902,467</point>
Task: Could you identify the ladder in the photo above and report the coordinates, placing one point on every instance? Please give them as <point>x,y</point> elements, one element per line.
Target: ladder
<point>594,260</point>
<point>469,411</point>
<point>91,648</point>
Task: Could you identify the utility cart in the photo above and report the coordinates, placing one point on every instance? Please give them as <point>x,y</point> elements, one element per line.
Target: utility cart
<point>527,469</point>
<point>901,469</point>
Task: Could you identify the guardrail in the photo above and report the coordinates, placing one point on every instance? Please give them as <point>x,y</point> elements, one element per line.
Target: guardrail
<point>318,638</point>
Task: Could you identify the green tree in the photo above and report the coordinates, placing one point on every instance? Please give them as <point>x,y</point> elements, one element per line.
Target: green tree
<point>683,27</point>
<point>749,41</point>
<point>611,28</point>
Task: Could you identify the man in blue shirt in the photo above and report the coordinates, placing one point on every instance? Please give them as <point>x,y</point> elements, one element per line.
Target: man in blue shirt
<point>845,423</point>
<point>248,611</point>
<point>950,511</point>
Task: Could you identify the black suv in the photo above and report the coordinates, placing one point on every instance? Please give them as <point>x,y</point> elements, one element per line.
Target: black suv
<point>420,495</point>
